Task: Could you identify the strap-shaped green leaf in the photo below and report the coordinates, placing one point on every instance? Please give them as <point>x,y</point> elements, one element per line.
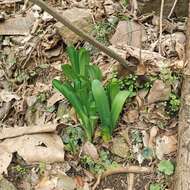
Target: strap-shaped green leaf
<point>113,89</point>
<point>68,91</point>
<point>84,60</point>
<point>74,58</point>
<point>69,72</point>
<point>117,106</point>
<point>102,105</point>
<point>94,72</point>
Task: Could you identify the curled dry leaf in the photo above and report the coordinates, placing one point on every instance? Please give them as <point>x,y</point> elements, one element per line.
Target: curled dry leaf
<point>90,150</point>
<point>165,145</point>
<point>56,97</point>
<point>153,133</point>
<point>7,96</point>
<point>145,138</point>
<point>33,148</point>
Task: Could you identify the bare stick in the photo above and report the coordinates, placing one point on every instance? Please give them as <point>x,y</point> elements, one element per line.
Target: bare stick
<point>127,169</point>
<point>85,36</point>
<point>161,17</point>
<point>130,181</point>
<point>173,7</point>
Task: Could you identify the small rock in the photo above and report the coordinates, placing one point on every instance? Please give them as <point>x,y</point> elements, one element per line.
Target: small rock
<point>81,18</point>
<point>120,147</point>
<point>159,92</point>
<point>6,185</point>
<point>90,149</point>
<point>128,33</point>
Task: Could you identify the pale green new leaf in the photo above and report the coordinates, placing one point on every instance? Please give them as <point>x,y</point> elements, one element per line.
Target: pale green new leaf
<point>117,106</point>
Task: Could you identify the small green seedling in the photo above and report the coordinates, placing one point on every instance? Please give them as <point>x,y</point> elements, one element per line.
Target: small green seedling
<point>166,167</point>
<point>72,138</point>
<point>174,103</point>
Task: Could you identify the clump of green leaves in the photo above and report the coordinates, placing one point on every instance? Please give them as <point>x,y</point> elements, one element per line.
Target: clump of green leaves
<point>77,87</point>
<point>155,186</point>
<point>20,170</point>
<point>166,167</point>
<point>98,167</point>
<point>109,105</point>
<point>72,138</point>
<point>168,76</point>
<point>174,103</point>
<point>87,95</point>
<point>102,31</point>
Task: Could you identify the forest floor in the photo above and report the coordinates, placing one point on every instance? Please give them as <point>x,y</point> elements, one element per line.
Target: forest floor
<point>42,145</point>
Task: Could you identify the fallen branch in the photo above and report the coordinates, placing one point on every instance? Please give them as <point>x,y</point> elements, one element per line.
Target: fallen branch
<point>127,169</point>
<point>20,131</point>
<point>84,36</point>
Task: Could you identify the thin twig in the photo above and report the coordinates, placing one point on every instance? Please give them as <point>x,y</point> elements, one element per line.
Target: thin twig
<point>130,181</point>
<point>161,18</point>
<point>172,9</point>
<point>97,182</point>
<point>127,169</point>
<point>85,36</point>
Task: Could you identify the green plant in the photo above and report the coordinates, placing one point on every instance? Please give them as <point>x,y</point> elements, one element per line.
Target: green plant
<point>109,105</point>
<point>174,104</point>
<point>168,76</point>
<point>136,136</point>
<point>102,31</point>
<point>21,170</point>
<point>155,186</point>
<point>72,137</point>
<point>166,167</point>
<point>99,166</point>
<point>77,87</point>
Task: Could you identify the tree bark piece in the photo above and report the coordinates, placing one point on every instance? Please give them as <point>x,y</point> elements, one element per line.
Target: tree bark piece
<point>86,37</point>
<point>182,181</point>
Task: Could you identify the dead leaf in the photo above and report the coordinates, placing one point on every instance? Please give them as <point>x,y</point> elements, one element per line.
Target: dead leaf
<point>19,131</point>
<point>165,145</point>
<point>145,138</point>
<point>17,26</point>
<point>153,132</point>
<point>132,116</point>
<point>159,92</point>
<point>33,148</point>
<point>56,97</point>
<point>7,96</point>
<point>90,150</point>
<point>128,33</point>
